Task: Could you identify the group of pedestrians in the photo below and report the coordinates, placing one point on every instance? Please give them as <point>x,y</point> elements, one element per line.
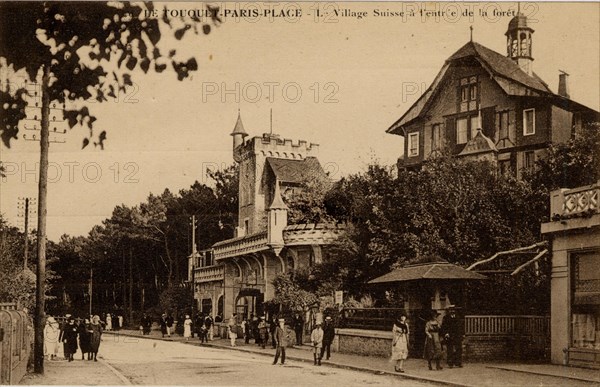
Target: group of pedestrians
<point>113,321</point>
<point>450,333</point>
<point>85,335</point>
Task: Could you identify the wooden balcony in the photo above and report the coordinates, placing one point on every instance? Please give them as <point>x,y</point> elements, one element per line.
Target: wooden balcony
<point>240,246</point>
<point>209,273</point>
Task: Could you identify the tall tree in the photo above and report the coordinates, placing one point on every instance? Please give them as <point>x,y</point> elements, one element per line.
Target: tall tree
<point>81,50</point>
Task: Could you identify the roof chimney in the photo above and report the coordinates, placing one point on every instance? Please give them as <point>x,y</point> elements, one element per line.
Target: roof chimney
<point>563,84</point>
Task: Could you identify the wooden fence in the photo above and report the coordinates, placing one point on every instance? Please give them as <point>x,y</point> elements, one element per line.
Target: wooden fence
<point>495,325</point>
<point>15,345</point>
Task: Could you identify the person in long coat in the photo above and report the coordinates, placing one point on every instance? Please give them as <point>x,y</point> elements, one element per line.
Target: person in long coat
<point>85,339</point>
<point>298,328</point>
<point>400,342</point>
<point>51,334</point>
<point>433,345</point>
<point>281,340</point>
<point>328,335</point>
<point>96,329</point>
<point>163,324</point>
<point>263,332</point>
<point>272,330</point>
<point>453,331</point>
<point>69,338</point>
<point>316,338</point>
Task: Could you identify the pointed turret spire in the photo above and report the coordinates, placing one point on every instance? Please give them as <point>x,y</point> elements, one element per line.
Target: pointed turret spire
<point>278,203</point>
<point>239,126</point>
<point>238,137</point>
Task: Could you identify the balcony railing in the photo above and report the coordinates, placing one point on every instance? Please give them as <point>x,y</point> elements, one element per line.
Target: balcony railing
<point>576,202</point>
<point>209,273</point>
<point>239,246</point>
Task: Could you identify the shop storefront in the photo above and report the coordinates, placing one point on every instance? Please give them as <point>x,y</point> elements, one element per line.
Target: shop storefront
<point>575,294</point>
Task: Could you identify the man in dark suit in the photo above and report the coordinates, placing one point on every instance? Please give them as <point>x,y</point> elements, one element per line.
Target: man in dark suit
<point>328,335</point>
<point>453,332</point>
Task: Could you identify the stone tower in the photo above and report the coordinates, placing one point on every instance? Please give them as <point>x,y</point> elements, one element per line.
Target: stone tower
<point>255,189</point>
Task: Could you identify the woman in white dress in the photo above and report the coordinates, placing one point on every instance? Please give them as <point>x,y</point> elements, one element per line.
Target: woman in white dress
<point>187,327</point>
<point>51,333</point>
<point>400,343</point>
<point>108,322</point>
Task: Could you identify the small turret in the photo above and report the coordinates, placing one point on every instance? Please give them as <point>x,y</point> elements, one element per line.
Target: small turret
<point>238,137</point>
<point>277,219</point>
<point>518,44</point>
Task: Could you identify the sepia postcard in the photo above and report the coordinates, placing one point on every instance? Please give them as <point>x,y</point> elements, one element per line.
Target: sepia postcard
<point>299,193</point>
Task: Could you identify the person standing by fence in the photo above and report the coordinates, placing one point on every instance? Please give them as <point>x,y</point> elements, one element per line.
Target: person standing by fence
<point>400,342</point>
<point>316,338</point>
<point>453,331</point>
<point>433,345</point>
<point>298,328</point>
<point>328,336</point>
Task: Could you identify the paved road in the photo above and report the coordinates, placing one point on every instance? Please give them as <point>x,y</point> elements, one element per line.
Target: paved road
<point>152,362</point>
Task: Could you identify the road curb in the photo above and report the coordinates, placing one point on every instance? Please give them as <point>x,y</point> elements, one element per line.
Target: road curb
<point>118,374</point>
<point>543,374</point>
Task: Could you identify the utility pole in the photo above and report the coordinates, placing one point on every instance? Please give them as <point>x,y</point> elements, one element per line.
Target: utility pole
<point>91,288</point>
<point>26,252</point>
<point>192,285</point>
<point>41,231</point>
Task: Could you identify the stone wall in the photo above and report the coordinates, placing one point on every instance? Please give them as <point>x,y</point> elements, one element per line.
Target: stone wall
<point>475,348</point>
<point>488,347</point>
<point>363,342</point>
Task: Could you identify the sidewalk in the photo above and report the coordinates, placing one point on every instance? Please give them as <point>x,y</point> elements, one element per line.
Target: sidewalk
<point>76,373</point>
<point>472,374</point>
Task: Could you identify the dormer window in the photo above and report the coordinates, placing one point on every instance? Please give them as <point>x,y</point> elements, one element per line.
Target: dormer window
<point>469,93</point>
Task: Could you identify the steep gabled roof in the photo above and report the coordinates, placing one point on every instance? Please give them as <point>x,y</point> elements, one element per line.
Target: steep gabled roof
<point>296,171</point>
<point>507,74</point>
<point>500,65</point>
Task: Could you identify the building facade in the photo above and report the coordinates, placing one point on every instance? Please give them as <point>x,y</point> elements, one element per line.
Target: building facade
<point>485,105</point>
<point>574,230</point>
<point>238,273</point>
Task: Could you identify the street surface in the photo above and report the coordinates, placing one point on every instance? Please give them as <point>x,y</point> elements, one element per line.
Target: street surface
<point>153,362</point>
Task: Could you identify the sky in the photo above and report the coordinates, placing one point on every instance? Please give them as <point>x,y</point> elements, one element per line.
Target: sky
<point>336,80</point>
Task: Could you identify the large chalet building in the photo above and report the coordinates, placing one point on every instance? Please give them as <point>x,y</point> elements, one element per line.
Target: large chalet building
<point>485,105</point>
<point>236,275</point>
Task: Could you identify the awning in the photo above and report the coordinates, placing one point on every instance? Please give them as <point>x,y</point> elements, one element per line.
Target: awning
<point>428,271</point>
